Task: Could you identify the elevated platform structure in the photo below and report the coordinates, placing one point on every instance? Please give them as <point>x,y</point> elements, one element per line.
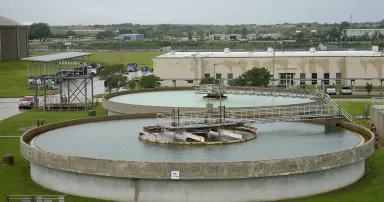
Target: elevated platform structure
<point>66,70</point>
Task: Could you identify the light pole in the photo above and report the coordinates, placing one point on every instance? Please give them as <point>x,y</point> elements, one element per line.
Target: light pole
<point>214,73</point>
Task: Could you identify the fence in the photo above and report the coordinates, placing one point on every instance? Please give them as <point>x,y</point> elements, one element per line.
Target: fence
<point>35,198</point>
<point>256,115</point>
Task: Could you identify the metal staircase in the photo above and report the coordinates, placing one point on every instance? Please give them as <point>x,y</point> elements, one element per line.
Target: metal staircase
<point>337,109</point>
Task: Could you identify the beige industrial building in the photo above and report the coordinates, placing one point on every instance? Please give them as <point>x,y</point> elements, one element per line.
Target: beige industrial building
<point>289,68</point>
<point>13,40</point>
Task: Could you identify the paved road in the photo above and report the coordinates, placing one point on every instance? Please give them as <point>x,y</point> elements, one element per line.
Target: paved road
<point>9,107</point>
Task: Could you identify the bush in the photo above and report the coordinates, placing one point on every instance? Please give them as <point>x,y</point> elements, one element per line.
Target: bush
<point>207,80</point>
<point>149,81</point>
<point>131,84</point>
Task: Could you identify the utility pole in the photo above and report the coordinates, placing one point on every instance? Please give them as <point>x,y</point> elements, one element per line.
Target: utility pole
<point>273,63</point>
<point>121,56</point>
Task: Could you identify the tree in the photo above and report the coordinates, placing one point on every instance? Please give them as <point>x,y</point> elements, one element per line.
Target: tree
<point>39,31</point>
<point>113,76</point>
<point>190,35</point>
<point>71,33</point>
<point>105,34</point>
<point>201,34</point>
<point>244,32</point>
<point>344,25</point>
<point>254,77</point>
<point>207,80</point>
<point>131,84</point>
<point>369,88</point>
<point>149,81</point>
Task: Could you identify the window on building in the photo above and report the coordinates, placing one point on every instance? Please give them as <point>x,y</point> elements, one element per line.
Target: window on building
<point>302,79</point>
<point>326,78</point>
<point>338,78</point>
<point>207,75</point>
<point>190,81</point>
<point>230,78</point>
<point>218,76</point>
<point>314,78</point>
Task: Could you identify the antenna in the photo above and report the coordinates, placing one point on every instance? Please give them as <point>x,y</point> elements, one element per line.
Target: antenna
<point>350,19</point>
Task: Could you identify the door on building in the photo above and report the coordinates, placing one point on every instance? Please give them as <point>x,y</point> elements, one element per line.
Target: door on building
<point>174,83</point>
<point>286,79</point>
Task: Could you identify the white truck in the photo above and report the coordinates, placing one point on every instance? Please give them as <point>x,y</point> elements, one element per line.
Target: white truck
<point>330,90</point>
<point>345,90</point>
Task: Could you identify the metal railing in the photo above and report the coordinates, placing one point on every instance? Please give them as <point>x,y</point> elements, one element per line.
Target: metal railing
<point>246,90</point>
<point>326,99</point>
<point>377,101</point>
<point>35,198</point>
<point>53,103</point>
<point>256,115</point>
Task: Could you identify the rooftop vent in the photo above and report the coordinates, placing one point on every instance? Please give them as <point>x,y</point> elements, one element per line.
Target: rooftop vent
<point>312,50</point>
<point>270,50</point>
<point>226,50</point>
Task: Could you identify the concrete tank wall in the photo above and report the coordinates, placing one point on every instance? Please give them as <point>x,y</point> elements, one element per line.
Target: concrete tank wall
<point>377,118</point>
<point>115,108</point>
<point>201,181</point>
<point>251,189</point>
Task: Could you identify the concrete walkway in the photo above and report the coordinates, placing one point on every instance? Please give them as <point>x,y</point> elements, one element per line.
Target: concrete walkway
<point>9,107</point>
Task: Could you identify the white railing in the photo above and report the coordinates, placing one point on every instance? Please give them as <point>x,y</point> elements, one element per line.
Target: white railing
<point>256,115</point>
<point>377,101</point>
<point>246,90</point>
<point>338,108</point>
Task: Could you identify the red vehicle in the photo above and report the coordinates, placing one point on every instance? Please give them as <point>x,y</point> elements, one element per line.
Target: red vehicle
<point>27,102</point>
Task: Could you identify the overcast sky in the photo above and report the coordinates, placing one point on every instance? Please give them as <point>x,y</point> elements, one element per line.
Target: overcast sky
<point>69,12</point>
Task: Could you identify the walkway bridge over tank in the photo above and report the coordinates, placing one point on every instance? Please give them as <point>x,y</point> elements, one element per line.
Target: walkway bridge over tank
<point>220,89</point>
<point>185,123</point>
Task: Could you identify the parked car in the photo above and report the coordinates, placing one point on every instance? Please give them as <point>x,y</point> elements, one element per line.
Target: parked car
<point>330,90</point>
<point>27,102</point>
<point>144,70</point>
<point>132,67</point>
<point>345,90</point>
<point>80,71</point>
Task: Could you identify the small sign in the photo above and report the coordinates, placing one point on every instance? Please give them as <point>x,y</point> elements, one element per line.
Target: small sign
<point>175,175</point>
<point>50,93</point>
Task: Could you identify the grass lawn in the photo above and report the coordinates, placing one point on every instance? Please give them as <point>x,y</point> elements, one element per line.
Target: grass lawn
<point>357,96</point>
<point>16,180</point>
<point>13,74</point>
<point>141,58</point>
<point>17,124</point>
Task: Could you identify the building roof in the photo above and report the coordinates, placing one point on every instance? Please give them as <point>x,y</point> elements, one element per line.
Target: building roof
<point>270,54</point>
<point>8,22</point>
<point>56,57</point>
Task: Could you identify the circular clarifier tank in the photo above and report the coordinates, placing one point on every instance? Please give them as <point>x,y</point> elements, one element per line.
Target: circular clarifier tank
<point>103,157</point>
<point>118,140</point>
<point>189,99</point>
